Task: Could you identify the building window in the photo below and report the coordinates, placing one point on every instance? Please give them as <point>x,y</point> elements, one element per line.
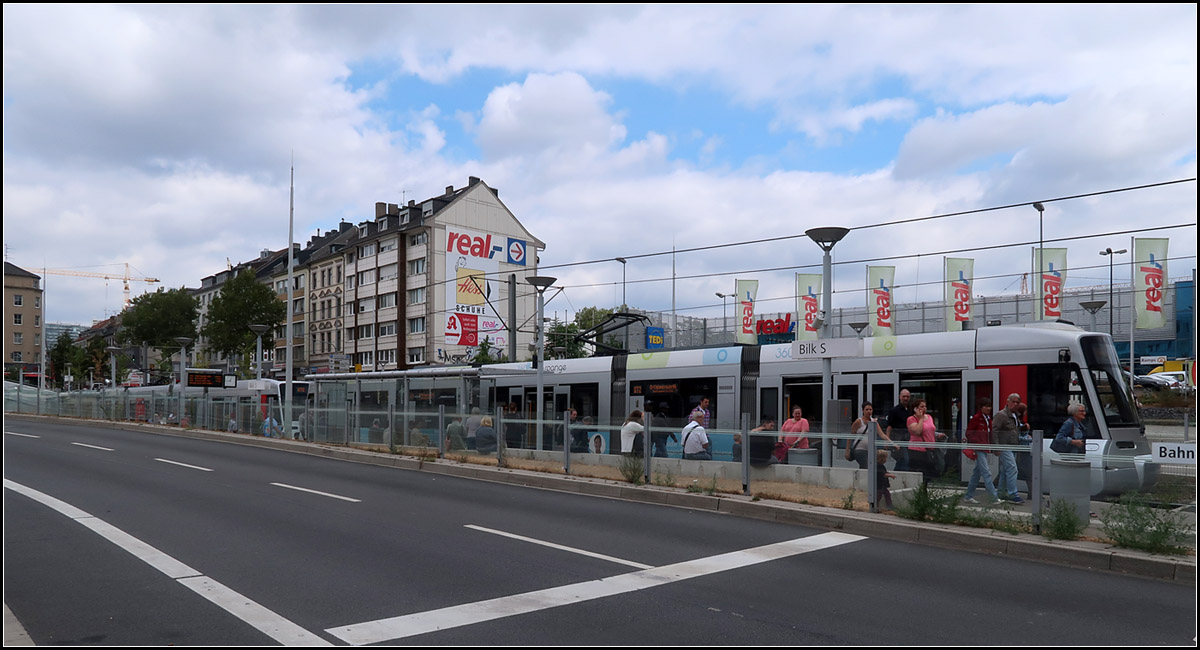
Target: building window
<point>18,338</point>
<point>387,272</point>
<point>298,307</point>
<point>17,318</point>
<point>366,277</point>
<point>387,356</point>
<point>366,305</point>
<point>18,300</point>
<point>37,339</point>
<point>366,331</point>
<point>387,329</point>
<point>416,325</point>
<point>417,266</point>
<point>387,300</point>
<point>418,239</point>
<point>16,356</point>
<point>415,297</point>
<point>387,245</point>
<point>364,358</point>
<point>37,320</point>
<point>416,355</point>
<point>366,250</point>
<point>37,302</point>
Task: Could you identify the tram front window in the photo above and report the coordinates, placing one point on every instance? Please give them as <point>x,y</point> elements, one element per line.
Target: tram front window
<point>1116,402</point>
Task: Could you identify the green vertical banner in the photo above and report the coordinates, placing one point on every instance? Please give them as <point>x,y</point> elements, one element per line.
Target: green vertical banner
<point>808,292</point>
<point>960,274</point>
<point>747,290</point>
<point>879,300</point>
<point>1149,281</point>
<point>1049,281</point>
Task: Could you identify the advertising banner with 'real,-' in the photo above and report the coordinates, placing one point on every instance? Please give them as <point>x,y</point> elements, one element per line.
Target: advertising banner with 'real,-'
<point>471,257</point>
<point>747,290</point>
<point>879,300</point>
<point>808,288</point>
<point>1149,281</point>
<point>960,273</point>
<point>1049,281</point>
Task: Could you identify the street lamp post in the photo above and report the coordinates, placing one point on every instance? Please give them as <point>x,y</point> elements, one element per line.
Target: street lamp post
<point>826,238</point>
<point>624,304</point>
<point>258,330</point>
<point>724,309</point>
<point>1037,282</point>
<point>540,283</point>
<point>1093,306</point>
<point>1112,306</point>
<point>183,342</point>
<point>112,364</point>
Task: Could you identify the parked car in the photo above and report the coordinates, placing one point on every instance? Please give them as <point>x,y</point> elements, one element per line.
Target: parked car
<point>1150,382</point>
<point>1178,379</point>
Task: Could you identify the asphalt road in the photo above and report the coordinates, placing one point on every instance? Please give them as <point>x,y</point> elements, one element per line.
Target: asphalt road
<point>209,543</point>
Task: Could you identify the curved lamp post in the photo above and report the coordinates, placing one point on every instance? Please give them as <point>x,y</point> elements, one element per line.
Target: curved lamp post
<point>540,283</point>
<point>826,238</point>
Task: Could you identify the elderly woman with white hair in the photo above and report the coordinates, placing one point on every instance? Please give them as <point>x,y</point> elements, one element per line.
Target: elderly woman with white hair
<point>1071,436</point>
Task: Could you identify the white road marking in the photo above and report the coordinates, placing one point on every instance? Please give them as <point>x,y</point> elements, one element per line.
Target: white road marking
<point>257,616</point>
<point>23,435</point>
<point>174,462</point>
<point>324,494</point>
<point>91,446</point>
<point>636,565</point>
<point>399,627</point>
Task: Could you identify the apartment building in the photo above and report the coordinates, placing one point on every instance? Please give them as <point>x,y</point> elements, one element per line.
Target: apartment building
<point>427,281</point>
<point>23,327</point>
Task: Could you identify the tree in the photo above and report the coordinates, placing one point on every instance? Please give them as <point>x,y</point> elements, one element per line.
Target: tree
<point>243,301</point>
<point>64,354</point>
<point>159,318</point>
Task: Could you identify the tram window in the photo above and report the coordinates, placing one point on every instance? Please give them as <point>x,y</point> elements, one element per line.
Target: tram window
<point>768,408</point>
<point>806,395</point>
<point>940,392</point>
<point>1111,389</point>
<point>882,398</point>
<point>1052,388</point>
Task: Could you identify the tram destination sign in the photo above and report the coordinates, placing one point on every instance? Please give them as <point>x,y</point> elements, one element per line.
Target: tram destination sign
<point>827,348</point>
<point>210,380</point>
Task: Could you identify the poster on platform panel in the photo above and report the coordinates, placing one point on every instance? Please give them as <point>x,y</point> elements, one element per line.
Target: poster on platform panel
<point>1048,282</point>
<point>747,290</point>
<point>879,300</point>
<point>960,274</point>
<point>808,288</point>
<point>471,257</point>
<point>1150,281</point>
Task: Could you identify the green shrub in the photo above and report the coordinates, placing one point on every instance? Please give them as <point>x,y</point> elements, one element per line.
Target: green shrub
<point>1133,523</point>
<point>632,468</point>
<point>935,504</point>
<point>1061,521</point>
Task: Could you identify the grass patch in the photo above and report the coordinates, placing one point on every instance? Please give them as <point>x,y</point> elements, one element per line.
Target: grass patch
<point>632,469</point>
<point>1132,522</point>
<point>1061,521</point>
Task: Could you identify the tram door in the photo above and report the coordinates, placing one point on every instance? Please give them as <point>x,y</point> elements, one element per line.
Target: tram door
<point>848,387</point>
<point>976,385</point>
<point>883,393</point>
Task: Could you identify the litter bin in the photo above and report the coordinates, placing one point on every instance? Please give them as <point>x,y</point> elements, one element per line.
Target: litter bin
<point>808,457</point>
<point>1069,479</point>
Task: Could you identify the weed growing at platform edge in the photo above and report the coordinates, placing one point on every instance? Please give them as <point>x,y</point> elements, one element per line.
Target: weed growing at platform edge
<point>934,504</point>
<point>1133,523</point>
<point>632,468</point>
<point>848,502</point>
<point>664,479</point>
<point>1061,521</point>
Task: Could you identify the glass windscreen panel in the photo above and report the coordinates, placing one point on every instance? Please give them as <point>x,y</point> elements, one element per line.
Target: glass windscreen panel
<point>1104,371</point>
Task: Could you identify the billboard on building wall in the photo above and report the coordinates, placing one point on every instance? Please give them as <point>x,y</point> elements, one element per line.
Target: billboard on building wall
<point>472,267</point>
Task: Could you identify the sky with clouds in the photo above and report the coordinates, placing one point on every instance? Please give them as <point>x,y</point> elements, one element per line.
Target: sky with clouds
<point>163,136</point>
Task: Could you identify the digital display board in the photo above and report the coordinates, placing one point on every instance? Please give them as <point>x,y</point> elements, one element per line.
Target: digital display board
<point>205,380</point>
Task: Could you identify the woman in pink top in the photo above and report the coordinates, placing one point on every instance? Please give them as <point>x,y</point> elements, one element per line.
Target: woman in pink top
<point>795,424</point>
<point>921,429</point>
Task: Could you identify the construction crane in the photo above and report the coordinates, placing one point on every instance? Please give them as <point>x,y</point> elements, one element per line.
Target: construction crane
<point>126,279</point>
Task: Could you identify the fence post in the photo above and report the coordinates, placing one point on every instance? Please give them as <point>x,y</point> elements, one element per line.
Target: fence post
<point>441,430</point>
<point>391,428</point>
<point>1035,481</point>
<point>872,469</point>
<point>566,435</point>
<point>746,454</point>
<point>498,425</point>
<point>647,447</point>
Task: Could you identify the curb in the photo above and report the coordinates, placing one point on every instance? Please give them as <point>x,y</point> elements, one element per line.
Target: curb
<point>1076,554</point>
